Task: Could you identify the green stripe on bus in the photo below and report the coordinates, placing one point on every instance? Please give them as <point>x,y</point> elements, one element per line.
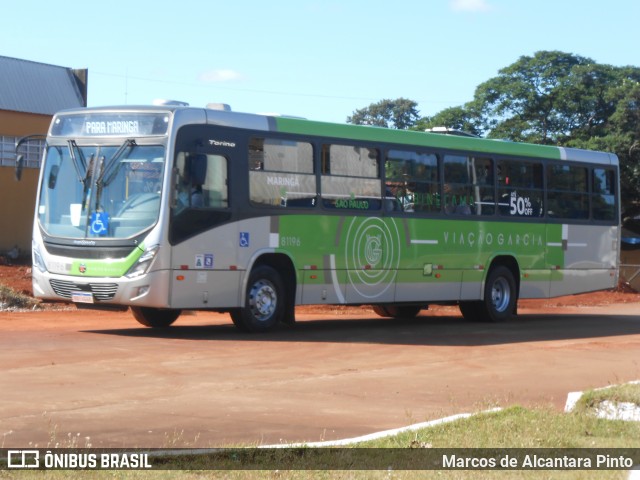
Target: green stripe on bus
<point>368,244</point>
<point>414,139</point>
<point>106,268</point>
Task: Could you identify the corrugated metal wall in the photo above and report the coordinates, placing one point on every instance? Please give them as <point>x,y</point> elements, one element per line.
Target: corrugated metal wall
<point>40,88</point>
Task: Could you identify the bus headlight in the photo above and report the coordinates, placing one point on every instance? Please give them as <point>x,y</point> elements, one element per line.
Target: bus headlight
<point>144,263</point>
<point>38,262</point>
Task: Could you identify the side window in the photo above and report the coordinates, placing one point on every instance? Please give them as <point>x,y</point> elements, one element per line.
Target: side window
<point>350,177</point>
<point>202,181</point>
<point>567,192</point>
<point>603,196</point>
<point>520,189</point>
<point>412,182</point>
<point>468,185</point>
<point>281,173</point>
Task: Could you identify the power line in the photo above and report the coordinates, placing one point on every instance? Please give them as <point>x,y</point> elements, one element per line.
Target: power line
<point>127,77</point>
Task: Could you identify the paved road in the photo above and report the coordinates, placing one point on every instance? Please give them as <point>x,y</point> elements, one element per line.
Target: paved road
<point>79,378</point>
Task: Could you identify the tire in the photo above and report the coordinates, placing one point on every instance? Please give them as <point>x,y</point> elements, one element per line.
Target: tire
<point>500,298</point>
<point>471,311</point>
<point>155,317</point>
<point>264,302</point>
<point>396,311</point>
<point>381,310</point>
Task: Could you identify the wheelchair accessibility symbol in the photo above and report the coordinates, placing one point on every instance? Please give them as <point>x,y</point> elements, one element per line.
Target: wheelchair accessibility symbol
<point>244,239</point>
<point>99,223</point>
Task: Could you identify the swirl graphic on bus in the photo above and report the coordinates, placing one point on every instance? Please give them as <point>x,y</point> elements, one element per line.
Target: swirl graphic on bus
<point>372,255</point>
<point>373,249</point>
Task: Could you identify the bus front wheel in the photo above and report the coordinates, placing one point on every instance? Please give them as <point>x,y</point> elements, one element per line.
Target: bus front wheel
<point>500,298</point>
<point>155,317</point>
<point>264,301</point>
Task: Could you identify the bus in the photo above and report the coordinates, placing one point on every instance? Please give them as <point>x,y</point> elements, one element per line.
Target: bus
<point>168,208</point>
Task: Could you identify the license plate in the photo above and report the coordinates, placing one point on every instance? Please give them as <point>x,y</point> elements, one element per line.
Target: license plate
<point>82,297</point>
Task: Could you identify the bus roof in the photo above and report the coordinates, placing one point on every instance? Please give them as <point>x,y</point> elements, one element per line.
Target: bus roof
<point>284,124</point>
<point>438,140</point>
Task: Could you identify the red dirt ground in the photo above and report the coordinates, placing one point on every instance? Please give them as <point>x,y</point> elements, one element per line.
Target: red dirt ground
<point>122,385</point>
<point>18,277</point>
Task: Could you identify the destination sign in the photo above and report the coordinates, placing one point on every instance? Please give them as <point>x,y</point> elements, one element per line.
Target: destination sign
<point>117,127</point>
<point>110,124</point>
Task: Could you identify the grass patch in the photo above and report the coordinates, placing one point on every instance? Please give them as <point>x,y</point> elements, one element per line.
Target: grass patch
<point>518,427</point>
<point>10,299</point>
<point>591,400</point>
<point>512,428</point>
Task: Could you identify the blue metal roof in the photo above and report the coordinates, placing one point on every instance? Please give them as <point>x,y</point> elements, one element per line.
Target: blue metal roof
<point>33,87</point>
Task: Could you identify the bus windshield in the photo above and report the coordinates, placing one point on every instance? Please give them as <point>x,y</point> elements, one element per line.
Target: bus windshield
<point>106,191</point>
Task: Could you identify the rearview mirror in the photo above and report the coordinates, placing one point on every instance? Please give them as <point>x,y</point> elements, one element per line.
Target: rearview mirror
<point>19,167</point>
<point>20,157</point>
<point>53,177</point>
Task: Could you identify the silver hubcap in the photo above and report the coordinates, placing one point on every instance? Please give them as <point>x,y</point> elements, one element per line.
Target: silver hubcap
<point>500,294</point>
<point>263,300</point>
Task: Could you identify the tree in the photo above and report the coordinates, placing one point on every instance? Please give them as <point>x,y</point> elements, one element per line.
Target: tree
<point>550,98</point>
<point>400,113</point>
<point>557,98</point>
<point>621,135</point>
<point>457,118</point>
<point>530,100</point>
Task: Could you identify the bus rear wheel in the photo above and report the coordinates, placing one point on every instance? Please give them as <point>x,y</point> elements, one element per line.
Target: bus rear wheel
<point>264,302</point>
<point>500,298</point>
<point>155,317</point>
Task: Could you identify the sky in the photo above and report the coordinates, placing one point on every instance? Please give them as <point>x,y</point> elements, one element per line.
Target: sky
<point>318,59</point>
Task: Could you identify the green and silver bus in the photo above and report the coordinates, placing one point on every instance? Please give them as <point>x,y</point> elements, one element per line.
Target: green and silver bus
<point>169,208</point>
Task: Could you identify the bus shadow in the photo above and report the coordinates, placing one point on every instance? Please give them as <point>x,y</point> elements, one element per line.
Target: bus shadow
<point>422,330</point>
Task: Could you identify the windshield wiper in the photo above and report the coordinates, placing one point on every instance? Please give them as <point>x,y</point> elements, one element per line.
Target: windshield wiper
<point>73,147</point>
<point>107,169</point>
<point>86,192</point>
